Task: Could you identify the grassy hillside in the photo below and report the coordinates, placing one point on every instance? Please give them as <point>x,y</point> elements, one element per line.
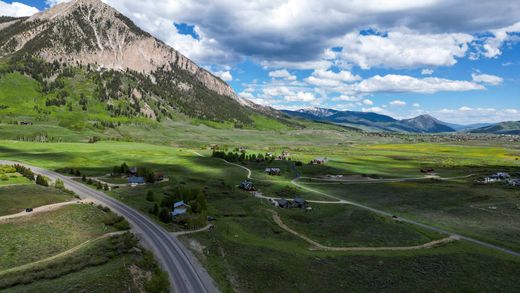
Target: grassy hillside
<point>15,199</point>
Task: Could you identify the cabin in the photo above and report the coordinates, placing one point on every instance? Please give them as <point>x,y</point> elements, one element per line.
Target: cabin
<point>427,170</point>
<point>247,186</point>
<point>180,208</point>
<point>300,203</point>
<point>134,180</point>
<point>319,161</point>
<point>25,123</point>
<point>273,171</point>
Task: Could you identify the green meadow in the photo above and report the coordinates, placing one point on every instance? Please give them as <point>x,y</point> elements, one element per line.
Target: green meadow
<point>247,251</point>
<point>16,198</point>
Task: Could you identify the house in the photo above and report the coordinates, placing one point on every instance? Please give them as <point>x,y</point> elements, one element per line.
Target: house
<point>319,161</point>
<point>180,208</point>
<point>25,123</point>
<point>498,177</point>
<point>427,170</point>
<point>300,203</point>
<point>273,171</point>
<point>282,203</point>
<point>134,180</point>
<point>247,186</point>
<point>284,156</point>
<point>514,182</point>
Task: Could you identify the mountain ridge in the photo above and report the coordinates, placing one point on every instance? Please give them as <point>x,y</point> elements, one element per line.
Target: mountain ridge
<point>421,124</point>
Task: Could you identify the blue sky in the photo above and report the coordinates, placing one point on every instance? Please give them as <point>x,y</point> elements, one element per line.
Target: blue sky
<point>459,62</point>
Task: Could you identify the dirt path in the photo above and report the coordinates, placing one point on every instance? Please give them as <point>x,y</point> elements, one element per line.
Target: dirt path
<point>42,209</point>
<point>208,227</point>
<point>60,255</point>
<point>318,246</point>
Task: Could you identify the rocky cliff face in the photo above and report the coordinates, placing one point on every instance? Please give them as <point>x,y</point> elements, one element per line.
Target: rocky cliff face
<point>91,32</point>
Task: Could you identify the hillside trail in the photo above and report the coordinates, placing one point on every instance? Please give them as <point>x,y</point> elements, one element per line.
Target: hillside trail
<point>42,209</point>
<point>59,255</point>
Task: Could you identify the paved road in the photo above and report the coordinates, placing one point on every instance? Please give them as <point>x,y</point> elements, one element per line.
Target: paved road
<point>186,273</point>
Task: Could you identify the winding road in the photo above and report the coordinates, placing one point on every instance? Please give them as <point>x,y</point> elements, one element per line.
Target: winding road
<point>185,272</point>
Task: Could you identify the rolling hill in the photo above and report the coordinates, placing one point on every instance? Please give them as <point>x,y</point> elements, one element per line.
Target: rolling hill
<point>511,127</point>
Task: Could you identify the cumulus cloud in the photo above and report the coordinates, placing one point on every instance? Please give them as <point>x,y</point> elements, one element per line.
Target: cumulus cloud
<point>282,73</point>
<point>403,83</point>
<point>368,102</point>
<point>224,75</point>
<point>398,103</point>
<point>404,49</point>
<point>16,9</point>
<point>330,78</point>
<point>487,79</point>
<point>271,31</point>
<point>300,97</point>
<point>493,45</point>
<point>427,71</point>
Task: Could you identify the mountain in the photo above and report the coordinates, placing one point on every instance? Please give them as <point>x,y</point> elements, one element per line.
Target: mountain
<point>427,123</point>
<point>135,73</point>
<point>511,127</point>
<point>420,124</point>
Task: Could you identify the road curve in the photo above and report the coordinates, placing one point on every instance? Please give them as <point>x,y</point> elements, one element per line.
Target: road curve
<point>185,272</point>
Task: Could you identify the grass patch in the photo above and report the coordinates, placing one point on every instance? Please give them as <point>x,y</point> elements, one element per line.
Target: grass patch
<point>28,239</point>
<point>15,199</point>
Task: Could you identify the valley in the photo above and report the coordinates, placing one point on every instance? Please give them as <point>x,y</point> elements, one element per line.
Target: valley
<point>127,167</point>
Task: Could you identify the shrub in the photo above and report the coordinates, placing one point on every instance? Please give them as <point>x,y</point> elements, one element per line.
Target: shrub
<point>158,283</point>
<point>41,180</point>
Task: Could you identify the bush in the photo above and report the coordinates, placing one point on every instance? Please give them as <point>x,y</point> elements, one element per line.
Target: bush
<point>41,180</point>
<point>59,184</point>
<point>158,283</point>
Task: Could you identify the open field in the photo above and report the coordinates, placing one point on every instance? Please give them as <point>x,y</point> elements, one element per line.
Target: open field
<point>343,225</point>
<point>14,199</point>
<point>28,239</point>
<point>249,252</point>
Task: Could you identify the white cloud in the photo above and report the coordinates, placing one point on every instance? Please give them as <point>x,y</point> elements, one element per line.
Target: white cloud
<point>375,110</point>
<point>368,102</point>
<point>282,73</point>
<point>347,98</point>
<point>224,75</point>
<point>492,45</point>
<point>416,105</point>
<point>427,71</point>
<point>403,49</point>
<point>331,79</point>
<point>300,97</point>
<point>398,103</point>
<point>487,79</point>
<point>16,9</point>
<point>403,83</point>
